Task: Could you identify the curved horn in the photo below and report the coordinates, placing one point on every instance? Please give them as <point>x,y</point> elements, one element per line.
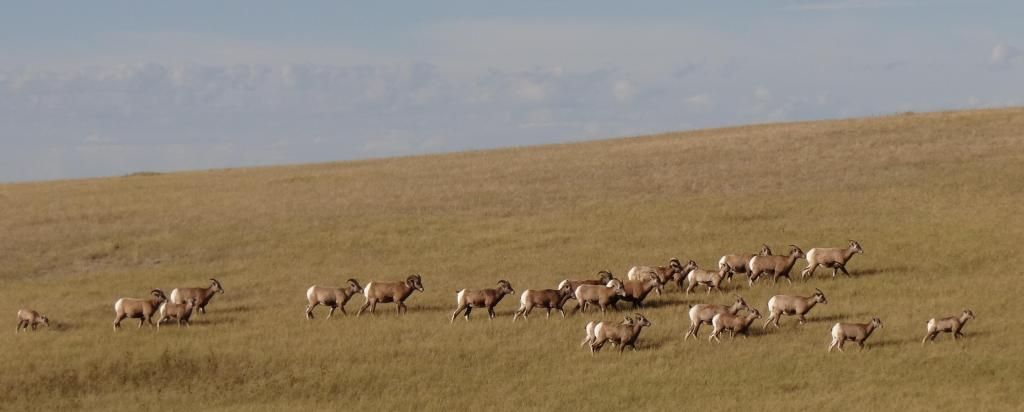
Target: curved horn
<point>819,291</point>
<point>351,280</point>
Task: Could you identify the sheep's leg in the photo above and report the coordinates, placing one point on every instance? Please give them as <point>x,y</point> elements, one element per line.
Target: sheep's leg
<point>548,316</point>
<point>456,313</point>
<point>400,306</point>
<point>832,345</point>
<point>801,319</point>
<point>362,308</point>
<point>117,321</point>
<point>809,271</point>
<point>373,306</point>
<point>490,313</point>
<point>202,310</point>
<point>714,335</point>
<point>562,312</point>
<point>789,280</point>
<point>309,310</point>
<point>843,268</point>
<point>331,313</point>
<point>466,315</point>
<point>861,344</point>
<point>142,321</point>
<point>689,288</point>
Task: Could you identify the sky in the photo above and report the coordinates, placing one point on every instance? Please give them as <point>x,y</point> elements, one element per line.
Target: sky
<point>107,88</point>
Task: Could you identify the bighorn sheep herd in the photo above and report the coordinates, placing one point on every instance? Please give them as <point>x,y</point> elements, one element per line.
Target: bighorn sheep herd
<point>604,292</point>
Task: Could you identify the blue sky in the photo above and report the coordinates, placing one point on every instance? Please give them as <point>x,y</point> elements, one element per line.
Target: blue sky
<point>107,88</point>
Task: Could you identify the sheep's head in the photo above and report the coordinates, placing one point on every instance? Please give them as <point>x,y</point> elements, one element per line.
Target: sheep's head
<point>755,314</point>
<point>505,287</point>
<point>605,276</point>
<point>690,266</point>
<point>564,288</point>
<point>819,296</point>
<point>641,320</point>
<point>415,281</point>
<point>855,247</point>
<point>45,321</point>
<point>159,294</point>
<point>354,287</point>
<point>740,303</point>
<point>968,314</point>
<point>876,322</point>
<point>796,252</point>
<point>765,250</point>
<point>215,284</point>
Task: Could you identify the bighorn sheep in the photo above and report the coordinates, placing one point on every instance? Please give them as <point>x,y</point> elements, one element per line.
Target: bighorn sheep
<point>604,277</point>
<point>141,309</point>
<point>602,296</point>
<point>202,295</point>
<point>674,271</point>
<point>624,335</point>
<point>29,317</point>
<point>387,292</point>
<point>592,326</point>
<point>857,332</point>
<point>709,278</point>
<point>734,264</point>
<point>779,305</point>
<point>951,324</point>
<point>467,299</point>
<point>733,323</point>
<point>180,312</point>
<point>543,298</point>
<point>637,290</point>
<point>704,313</point>
<point>334,298</point>
<point>776,265</point>
<point>830,257</point>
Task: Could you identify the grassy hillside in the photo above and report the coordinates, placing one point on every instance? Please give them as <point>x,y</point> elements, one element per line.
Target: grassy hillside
<point>935,199</point>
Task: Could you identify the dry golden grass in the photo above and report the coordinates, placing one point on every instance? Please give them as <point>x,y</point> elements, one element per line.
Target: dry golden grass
<point>934,198</point>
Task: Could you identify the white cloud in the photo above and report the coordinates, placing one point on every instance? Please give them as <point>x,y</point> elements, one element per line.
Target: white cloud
<point>699,101</point>
<point>623,90</point>
<point>1004,56</point>
<point>762,93</point>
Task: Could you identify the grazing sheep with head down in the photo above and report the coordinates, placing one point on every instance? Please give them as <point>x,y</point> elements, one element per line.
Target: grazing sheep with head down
<point>203,296</point>
<point>387,292</point>
<point>951,324</point>
<point>830,257</point>
<point>30,318</point>
<point>141,309</point>
<point>857,332</point>
<point>334,298</point>
<point>467,299</point>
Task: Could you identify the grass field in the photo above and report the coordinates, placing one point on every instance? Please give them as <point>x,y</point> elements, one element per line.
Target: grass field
<point>935,199</point>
